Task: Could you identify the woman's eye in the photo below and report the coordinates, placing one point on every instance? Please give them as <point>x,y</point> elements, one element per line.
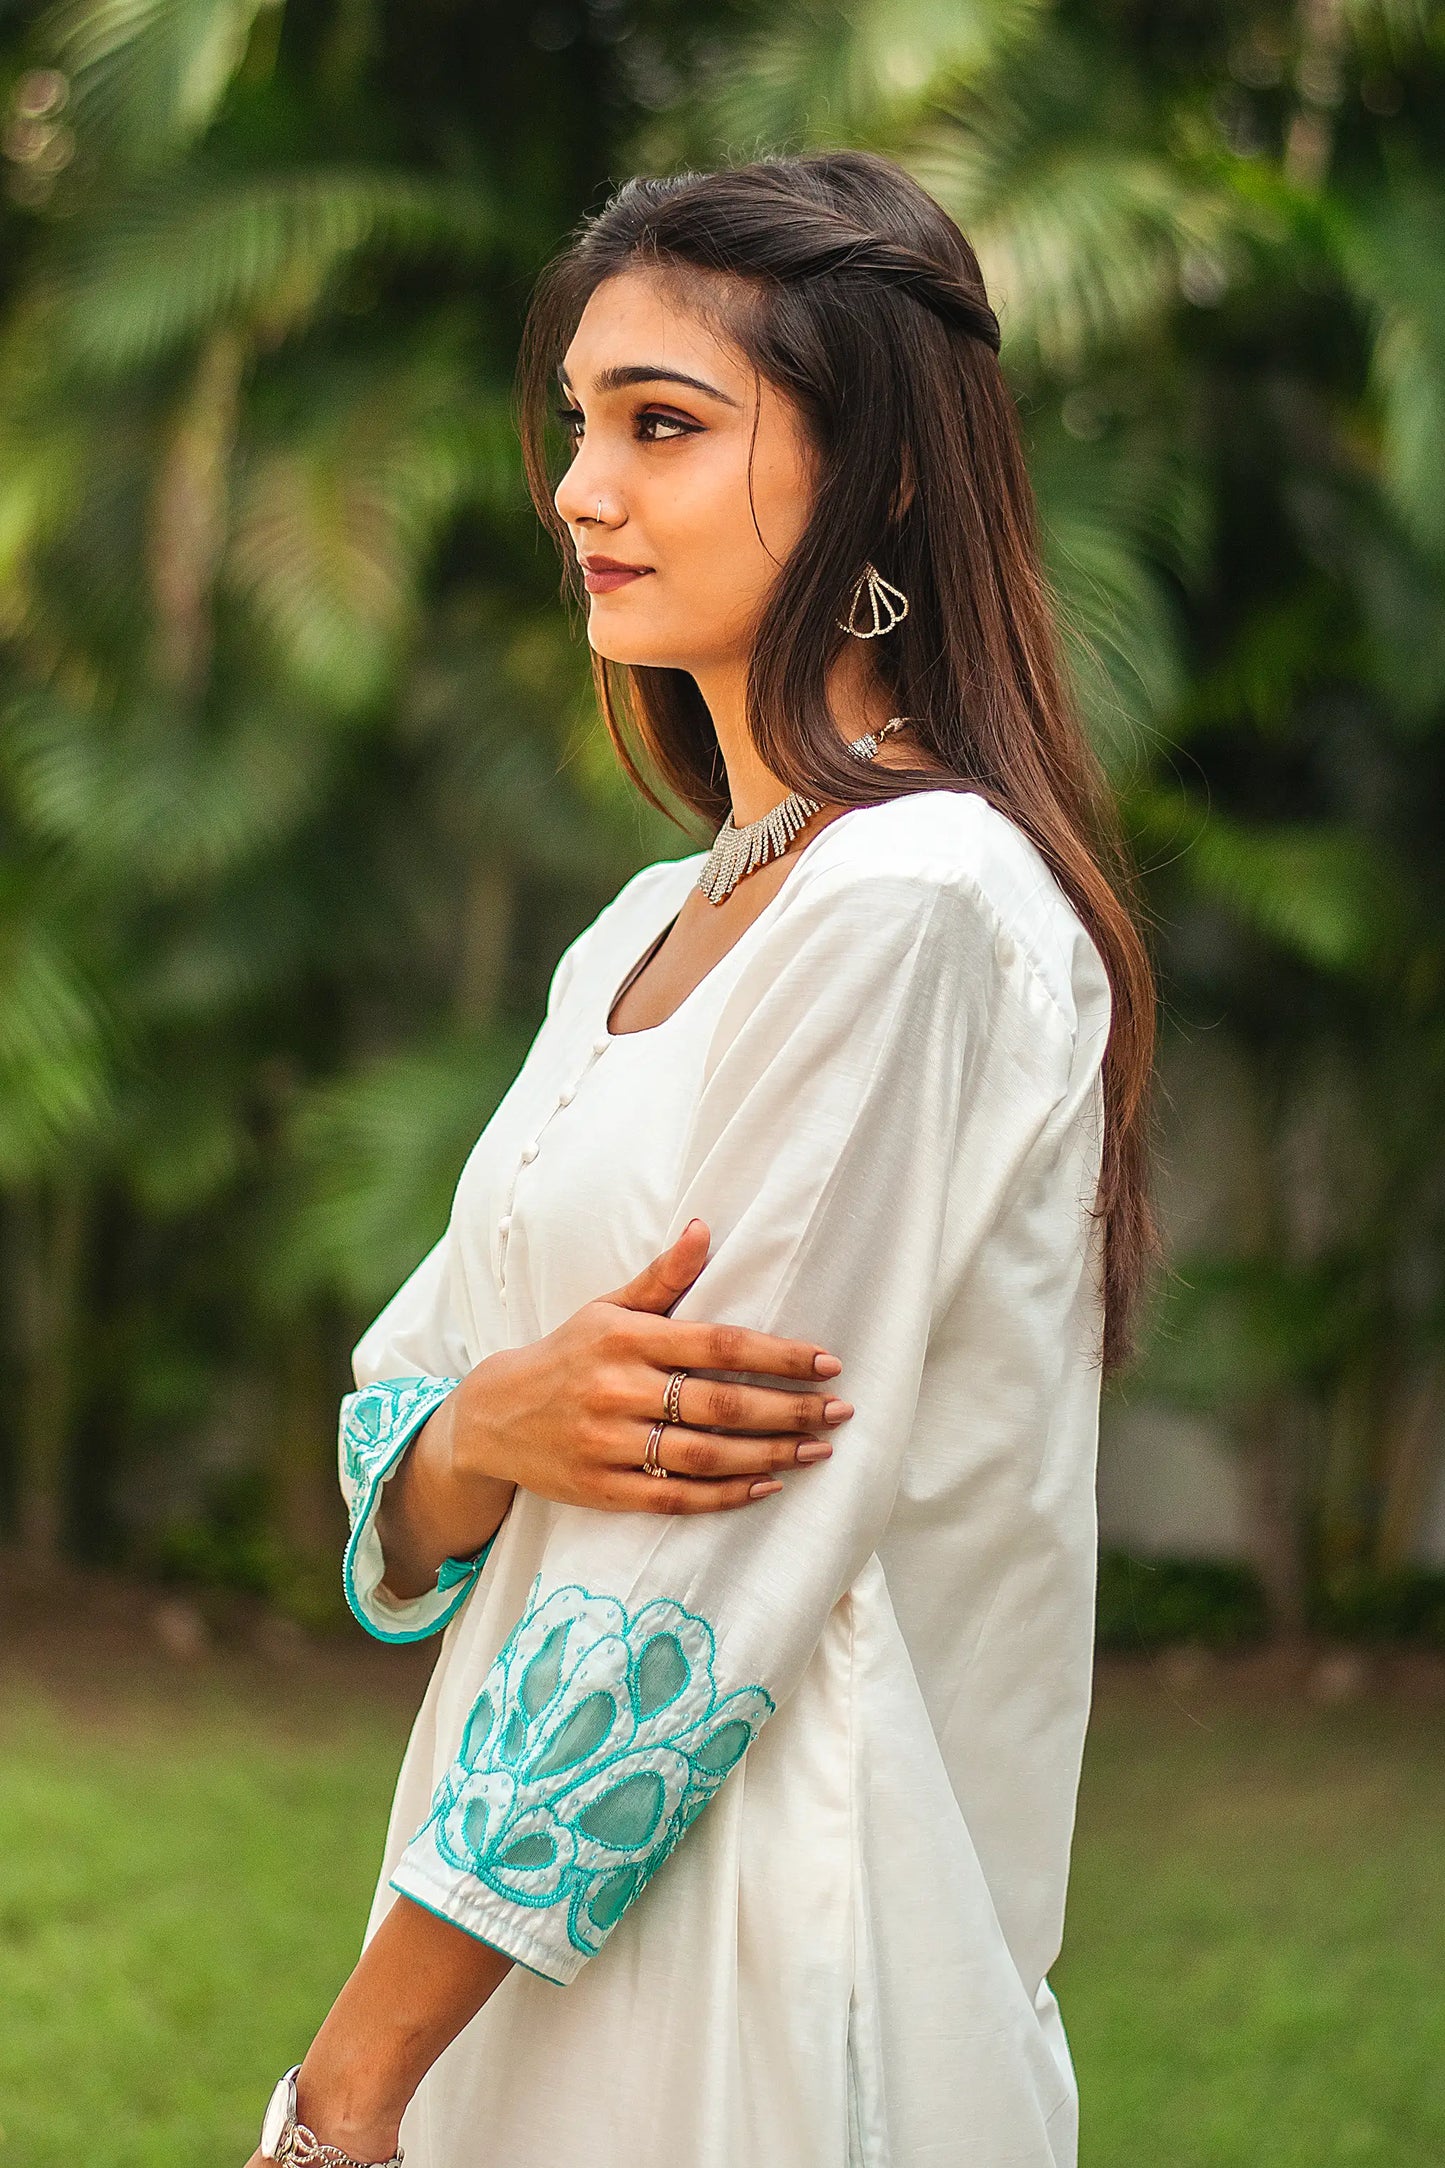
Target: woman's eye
<point>571,419</point>
<point>665,421</point>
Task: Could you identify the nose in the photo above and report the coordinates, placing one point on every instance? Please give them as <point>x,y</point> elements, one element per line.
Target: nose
<point>578,496</point>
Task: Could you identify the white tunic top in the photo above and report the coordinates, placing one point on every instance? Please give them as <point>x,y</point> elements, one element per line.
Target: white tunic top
<point>886,1103</point>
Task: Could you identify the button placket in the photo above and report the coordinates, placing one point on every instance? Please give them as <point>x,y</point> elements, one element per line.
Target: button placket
<point>529,1152</point>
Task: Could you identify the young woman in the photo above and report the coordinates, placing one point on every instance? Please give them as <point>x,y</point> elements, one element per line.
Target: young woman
<point>740,1429</point>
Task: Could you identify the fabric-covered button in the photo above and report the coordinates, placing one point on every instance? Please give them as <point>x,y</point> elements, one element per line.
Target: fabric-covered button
<point>529,1152</point>
<point>566,1096</point>
<point>599,1046</point>
<point>504,1223</point>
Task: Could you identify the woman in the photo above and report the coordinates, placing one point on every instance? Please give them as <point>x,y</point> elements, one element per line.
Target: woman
<point>828,1101</point>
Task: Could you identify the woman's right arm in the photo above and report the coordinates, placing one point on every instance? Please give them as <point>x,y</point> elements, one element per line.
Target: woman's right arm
<point>568,1417</point>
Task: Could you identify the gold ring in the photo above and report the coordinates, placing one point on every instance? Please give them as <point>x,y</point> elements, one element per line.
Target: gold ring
<point>651,1465</point>
<point>672,1398</point>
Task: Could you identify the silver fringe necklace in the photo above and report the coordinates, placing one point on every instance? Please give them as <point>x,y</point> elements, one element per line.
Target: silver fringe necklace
<point>740,851</point>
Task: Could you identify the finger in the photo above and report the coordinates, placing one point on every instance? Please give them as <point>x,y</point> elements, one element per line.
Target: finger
<point>688,1344</point>
<point>717,1404</point>
<point>669,1275</point>
<point>632,1493</point>
<point>709,1454</point>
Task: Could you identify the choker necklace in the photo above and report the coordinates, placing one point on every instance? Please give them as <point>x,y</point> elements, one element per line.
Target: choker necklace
<point>739,851</point>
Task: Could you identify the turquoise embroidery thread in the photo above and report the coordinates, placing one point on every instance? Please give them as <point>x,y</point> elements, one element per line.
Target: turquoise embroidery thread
<point>378,1422</point>
<point>597,1739</point>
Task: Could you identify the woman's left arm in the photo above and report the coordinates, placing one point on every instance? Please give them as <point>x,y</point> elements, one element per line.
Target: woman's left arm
<point>418,1983</point>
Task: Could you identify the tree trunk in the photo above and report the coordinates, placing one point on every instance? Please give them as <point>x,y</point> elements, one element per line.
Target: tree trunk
<point>189,513</point>
<point>307,1514</point>
<point>48,1237</point>
<point>1310,137</point>
<point>1414,1428</point>
<point>1272,1466</point>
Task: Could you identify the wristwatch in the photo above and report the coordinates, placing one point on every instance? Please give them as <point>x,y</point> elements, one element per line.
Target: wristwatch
<point>285,2140</point>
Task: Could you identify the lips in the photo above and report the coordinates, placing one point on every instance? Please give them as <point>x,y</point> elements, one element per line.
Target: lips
<point>602,575</point>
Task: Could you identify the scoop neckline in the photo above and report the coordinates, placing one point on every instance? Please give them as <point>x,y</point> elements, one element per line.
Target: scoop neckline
<point>649,1031</point>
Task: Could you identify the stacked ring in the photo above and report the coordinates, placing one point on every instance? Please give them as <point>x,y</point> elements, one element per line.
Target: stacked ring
<point>651,1465</point>
<point>673,1396</point>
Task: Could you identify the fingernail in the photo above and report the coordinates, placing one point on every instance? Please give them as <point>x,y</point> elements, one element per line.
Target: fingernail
<point>687,1230</point>
<point>826,1366</point>
<point>763,1490</point>
<point>835,1410</point>
<point>813,1449</point>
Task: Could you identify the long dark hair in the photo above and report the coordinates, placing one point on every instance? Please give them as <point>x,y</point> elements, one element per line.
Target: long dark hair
<point>853,292</point>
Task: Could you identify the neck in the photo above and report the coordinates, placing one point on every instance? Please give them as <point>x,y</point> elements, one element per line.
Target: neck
<point>855,700</point>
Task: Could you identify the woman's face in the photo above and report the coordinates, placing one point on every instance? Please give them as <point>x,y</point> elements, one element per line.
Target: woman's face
<point>704,504</point>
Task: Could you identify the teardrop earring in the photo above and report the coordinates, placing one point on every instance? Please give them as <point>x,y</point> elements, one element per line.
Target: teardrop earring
<point>888,605</point>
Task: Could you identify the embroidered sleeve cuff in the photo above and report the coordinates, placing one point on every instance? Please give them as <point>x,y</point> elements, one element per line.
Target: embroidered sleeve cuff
<point>598,1737</point>
<point>378,1423</point>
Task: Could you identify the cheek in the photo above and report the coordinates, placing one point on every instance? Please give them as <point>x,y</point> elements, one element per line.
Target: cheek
<point>735,528</point>
<point>698,517</point>
<point>781,494</point>
<point>702,500</point>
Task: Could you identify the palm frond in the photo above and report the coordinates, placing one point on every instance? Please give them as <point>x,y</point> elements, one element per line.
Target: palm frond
<point>174,260</point>
<point>820,72</point>
<point>1355,534</point>
<point>1083,245</point>
<point>55,1040</point>
<point>1324,892</point>
<point>334,522</point>
<point>1119,512</point>
<point>146,75</point>
<point>181,1136</point>
<point>1389,248</point>
<point>149,798</point>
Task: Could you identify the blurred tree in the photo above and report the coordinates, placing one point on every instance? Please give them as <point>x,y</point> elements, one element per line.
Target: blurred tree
<point>290,726</point>
<point>272,616</point>
<point>1214,237</point>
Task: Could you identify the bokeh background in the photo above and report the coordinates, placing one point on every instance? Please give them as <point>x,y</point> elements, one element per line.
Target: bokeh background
<point>302,792</point>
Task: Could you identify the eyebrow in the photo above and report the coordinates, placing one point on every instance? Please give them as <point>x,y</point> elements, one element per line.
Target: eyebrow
<point>621,374</point>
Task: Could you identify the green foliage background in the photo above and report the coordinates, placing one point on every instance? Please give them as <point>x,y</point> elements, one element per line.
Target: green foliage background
<point>302,791</point>
<point>1250,1971</point>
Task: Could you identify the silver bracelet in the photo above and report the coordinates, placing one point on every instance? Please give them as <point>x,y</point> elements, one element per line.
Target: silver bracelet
<point>292,2145</point>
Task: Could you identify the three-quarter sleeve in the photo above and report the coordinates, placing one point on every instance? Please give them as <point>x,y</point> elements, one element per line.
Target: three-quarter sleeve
<point>405,1364</point>
<point>882,1064</point>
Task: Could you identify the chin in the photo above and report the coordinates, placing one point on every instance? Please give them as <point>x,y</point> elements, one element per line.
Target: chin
<point>628,647</point>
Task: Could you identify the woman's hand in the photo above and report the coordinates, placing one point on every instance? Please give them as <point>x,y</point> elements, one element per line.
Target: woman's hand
<point>568,1417</point>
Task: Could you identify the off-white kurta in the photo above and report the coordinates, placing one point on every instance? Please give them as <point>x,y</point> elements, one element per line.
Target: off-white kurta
<point>774,1806</point>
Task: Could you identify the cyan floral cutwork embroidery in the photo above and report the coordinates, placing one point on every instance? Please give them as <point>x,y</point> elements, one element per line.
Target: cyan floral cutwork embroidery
<point>597,1738</point>
<point>378,1422</point>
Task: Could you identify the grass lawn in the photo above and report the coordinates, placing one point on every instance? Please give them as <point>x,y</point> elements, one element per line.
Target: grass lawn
<point>1252,1976</point>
